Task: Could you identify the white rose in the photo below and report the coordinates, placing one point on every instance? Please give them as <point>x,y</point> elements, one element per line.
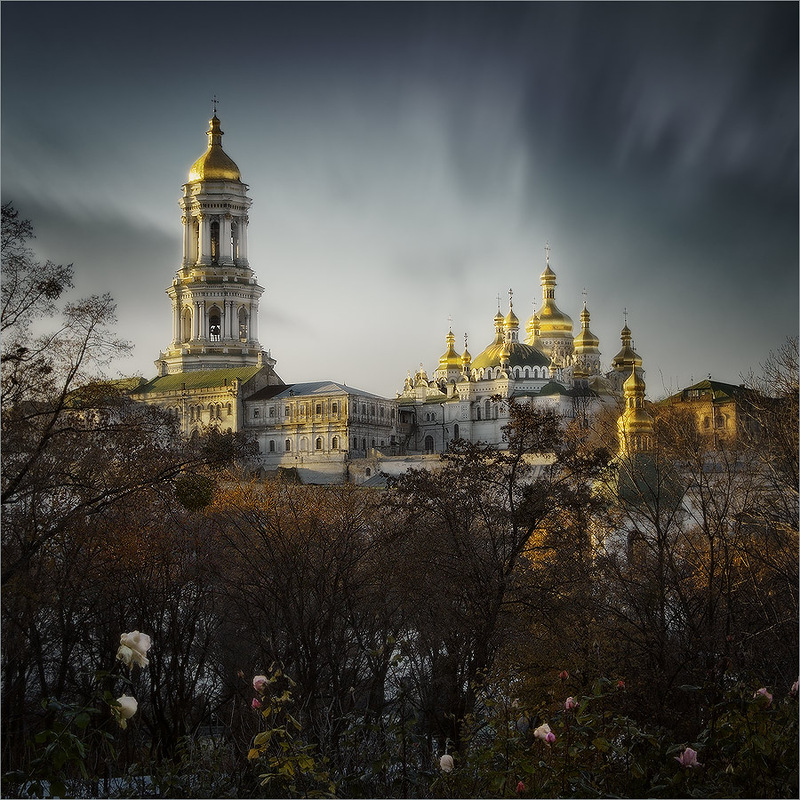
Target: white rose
<point>446,763</point>
<point>133,647</point>
<point>542,731</point>
<point>126,707</point>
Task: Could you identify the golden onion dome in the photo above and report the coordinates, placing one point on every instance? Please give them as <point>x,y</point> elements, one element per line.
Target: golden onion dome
<point>634,384</point>
<point>585,339</point>
<point>450,358</point>
<point>511,321</point>
<point>552,318</point>
<point>215,164</point>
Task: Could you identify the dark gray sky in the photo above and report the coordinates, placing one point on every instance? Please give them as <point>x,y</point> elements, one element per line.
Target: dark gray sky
<point>408,162</point>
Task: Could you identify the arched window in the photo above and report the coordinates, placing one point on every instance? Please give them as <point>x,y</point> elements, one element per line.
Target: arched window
<point>456,432</point>
<point>186,324</point>
<point>364,445</point>
<point>318,443</point>
<point>288,444</point>
<point>255,413</point>
<point>334,408</point>
<point>335,443</point>
<point>318,409</point>
<point>214,324</point>
<point>429,444</point>
<point>477,412</point>
<point>303,444</point>
<point>487,407</point>
<point>355,443</point>
<point>271,446</point>
<point>367,472</point>
<point>230,410</point>
<point>243,332</point>
<point>527,372</point>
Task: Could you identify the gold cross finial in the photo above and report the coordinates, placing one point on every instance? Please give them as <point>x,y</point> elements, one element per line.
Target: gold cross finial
<point>547,250</point>
<point>498,301</point>
<point>510,299</point>
<point>625,316</point>
<point>214,103</point>
<point>465,342</point>
<point>450,321</point>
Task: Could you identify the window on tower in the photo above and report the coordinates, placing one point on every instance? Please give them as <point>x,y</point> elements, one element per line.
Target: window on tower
<point>242,325</point>
<point>214,326</point>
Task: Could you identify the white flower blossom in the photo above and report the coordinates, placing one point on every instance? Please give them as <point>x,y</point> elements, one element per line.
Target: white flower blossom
<point>542,731</point>
<point>133,648</point>
<point>446,763</point>
<point>126,707</point>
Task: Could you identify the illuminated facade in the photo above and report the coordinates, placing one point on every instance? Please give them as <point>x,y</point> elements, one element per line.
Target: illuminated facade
<point>214,371</point>
<point>552,368</point>
<point>214,361</point>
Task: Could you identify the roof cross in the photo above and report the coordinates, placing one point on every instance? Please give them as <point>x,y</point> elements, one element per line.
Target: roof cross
<point>214,103</point>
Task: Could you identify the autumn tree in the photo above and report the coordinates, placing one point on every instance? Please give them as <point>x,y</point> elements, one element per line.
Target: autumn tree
<point>463,534</point>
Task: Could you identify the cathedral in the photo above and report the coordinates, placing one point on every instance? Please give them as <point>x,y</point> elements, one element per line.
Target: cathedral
<point>214,372</point>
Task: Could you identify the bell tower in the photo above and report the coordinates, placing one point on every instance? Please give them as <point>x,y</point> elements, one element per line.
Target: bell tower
<point>214,293</point>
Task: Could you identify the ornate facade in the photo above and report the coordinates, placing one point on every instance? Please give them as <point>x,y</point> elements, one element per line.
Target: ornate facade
<point>214,371</point>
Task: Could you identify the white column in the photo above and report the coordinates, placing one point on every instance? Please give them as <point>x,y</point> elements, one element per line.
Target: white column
<point>225,255</point>
<point>176,321</point>
<point>205,239</point>
<point>243,223</point>
<point>195,320</point>
<point>187,241</point>
<point>253,332</point>
<point>201,321</point>
<point>231,319</point>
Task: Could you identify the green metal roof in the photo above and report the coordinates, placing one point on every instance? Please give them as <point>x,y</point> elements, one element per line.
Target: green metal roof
<point>198,379</point>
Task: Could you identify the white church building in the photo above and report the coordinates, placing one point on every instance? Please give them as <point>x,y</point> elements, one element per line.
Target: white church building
<point>214,371</point>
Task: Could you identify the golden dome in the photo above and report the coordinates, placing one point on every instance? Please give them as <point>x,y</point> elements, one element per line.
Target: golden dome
<point>511,321</point>
<point>214,164</point>
<point>552,318</point>
<point>627,357</point>
<point>450,359</point>
<point>518,354</point>
<point>634,384</point>
<point>585,340</point>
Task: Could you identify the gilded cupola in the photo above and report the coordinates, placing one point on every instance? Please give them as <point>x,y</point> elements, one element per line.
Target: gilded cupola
<point>450,359</point>
<point>626,358</point>
<point>635,425</point>
<point>553,322</point>
<point>215,164</point>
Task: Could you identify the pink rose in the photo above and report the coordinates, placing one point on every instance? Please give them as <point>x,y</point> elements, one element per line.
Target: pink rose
<point>688,759</point>
<point>256,703</point>
<point>564,675</point>
<point>793,690</point>
<point>550,738</point>
<point>764,697</point>
<point>620,684</point>
<point>520,787</point>
<point>570,704</point>
<point>259,682</point>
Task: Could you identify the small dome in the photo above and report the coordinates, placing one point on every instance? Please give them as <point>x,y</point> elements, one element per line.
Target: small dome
<point>214,164</point>
<point>450,358</point>
<point>634,384</point>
